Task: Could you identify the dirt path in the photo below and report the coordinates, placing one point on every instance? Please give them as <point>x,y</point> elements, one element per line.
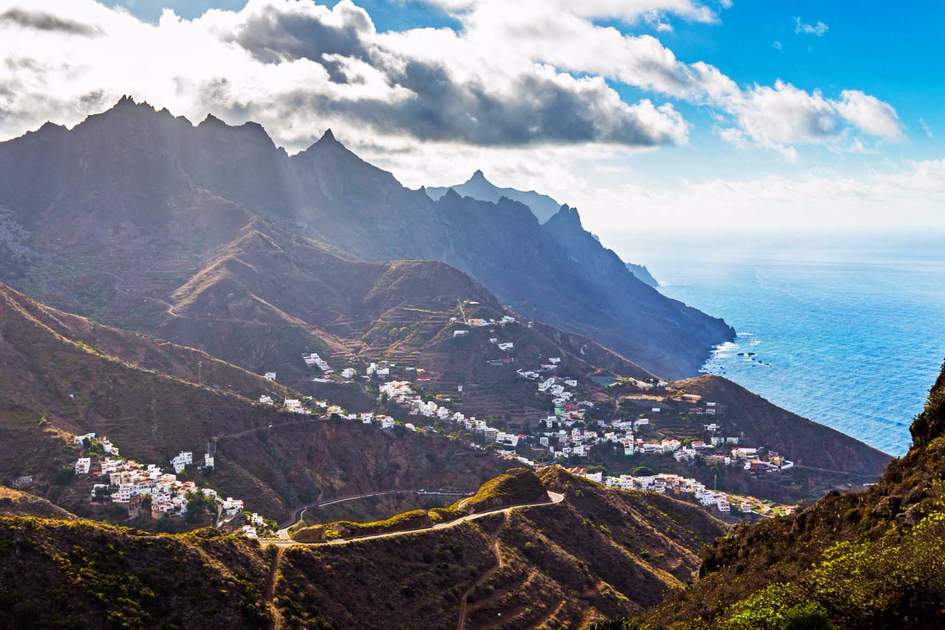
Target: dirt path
<point>549,615</point>
<point>497,552</point>
<point>271,589</point>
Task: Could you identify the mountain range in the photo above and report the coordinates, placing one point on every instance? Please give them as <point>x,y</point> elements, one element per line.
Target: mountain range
<point>542,206</point>
<point>131,203</point>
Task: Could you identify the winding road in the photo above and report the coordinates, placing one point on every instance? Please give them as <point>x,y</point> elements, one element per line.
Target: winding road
<point>553,499</point>
<point>299,512</point>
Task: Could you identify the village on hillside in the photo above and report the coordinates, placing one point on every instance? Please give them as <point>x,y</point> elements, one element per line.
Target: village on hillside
<point>150,492</point>
<point>658,425</point>
<point>567,435</point>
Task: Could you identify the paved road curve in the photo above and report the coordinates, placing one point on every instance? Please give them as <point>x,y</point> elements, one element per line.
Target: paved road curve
<point>300,512</point>
<point>553,498</point>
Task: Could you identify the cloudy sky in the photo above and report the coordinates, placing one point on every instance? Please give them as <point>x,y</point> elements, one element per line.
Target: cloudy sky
<point>646,114</point>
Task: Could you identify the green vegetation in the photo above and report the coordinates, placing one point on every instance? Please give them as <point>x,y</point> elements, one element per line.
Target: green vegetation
<point>405,521</point>
<point>518,486</point>
<point>869,559</point>
<point>860,584</point>
<point>79,573</point>
<point>200,508</point>
<point>64,476</point>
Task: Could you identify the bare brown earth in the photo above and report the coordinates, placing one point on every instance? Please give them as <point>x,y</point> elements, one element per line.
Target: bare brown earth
<point>18,503</point>
<point>596,553</point>
<point>563,565</point>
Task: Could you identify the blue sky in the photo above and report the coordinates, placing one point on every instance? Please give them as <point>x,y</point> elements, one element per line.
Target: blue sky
<point>663,113</point>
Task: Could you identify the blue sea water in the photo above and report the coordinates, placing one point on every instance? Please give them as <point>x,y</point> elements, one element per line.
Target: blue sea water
<point>851,337</point>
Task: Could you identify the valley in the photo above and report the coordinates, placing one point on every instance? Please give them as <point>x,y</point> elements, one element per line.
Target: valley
<point>307,385</point>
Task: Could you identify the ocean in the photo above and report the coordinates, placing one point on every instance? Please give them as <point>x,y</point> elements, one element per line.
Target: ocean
<point>850,334</point>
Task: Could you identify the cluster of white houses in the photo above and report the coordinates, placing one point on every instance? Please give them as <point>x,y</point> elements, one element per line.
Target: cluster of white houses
<point>557,432</point>
<point>564,440</point>
<point>128,483</point>
<point>678,485</point>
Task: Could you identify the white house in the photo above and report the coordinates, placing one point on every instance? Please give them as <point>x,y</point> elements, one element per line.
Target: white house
<point>181,461</point>
<point>80,439</point>
<point>232,506</point>
<point>82,465</point>
<point>270,376</point>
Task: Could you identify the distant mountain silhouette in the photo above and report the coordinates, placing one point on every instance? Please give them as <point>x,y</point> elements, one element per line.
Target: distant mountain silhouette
<point>478,187</point>
<point>642,273</point>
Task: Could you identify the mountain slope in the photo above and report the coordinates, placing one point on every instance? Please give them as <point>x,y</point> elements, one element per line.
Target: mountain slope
<point>61,375</point>
<point>561,271</point>
<point>17,503</point>
<point>598,552</point>
<point>810,445</point>
<point>865,559</point>
<point>131,203</point>
<point>60,573</point>
<point>270,295</point>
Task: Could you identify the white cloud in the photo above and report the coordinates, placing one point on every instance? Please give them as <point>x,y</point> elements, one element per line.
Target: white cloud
<point>778,117</point>
<point>624,10</point>
<point>528,73</point>
<point>298,67</point>
<point>870,114</point>
<point>817,29</point>
<point>783,116</point>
